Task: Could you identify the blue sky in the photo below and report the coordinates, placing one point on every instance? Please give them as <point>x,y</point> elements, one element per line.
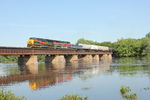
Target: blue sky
<point>97,20</point>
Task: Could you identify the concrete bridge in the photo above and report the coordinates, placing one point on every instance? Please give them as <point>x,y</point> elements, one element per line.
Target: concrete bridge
<point>28,56</point>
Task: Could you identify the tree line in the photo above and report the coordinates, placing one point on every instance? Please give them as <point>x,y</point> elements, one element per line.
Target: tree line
<point>122,48</point>
<point>125,47</point>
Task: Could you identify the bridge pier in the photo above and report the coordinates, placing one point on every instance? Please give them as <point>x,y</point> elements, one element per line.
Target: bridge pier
<point>106,57</point>
<point>57,61</point>
<point>86,58</point>
<point>110,56</point>
<point>27,60</point>
<point>96,57</point>
<point>103,57</point>
<point>71,58</point>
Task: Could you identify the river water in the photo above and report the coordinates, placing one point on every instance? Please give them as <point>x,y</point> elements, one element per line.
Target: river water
<point>96,80</point>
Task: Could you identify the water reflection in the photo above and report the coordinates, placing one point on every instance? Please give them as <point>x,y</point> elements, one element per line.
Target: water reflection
<point>43,75</point>
<point>131,66</point>
<point>53,79</point>
<point>55,66</point>
<point>93,79</point>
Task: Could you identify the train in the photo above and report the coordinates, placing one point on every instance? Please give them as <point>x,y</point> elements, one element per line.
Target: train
<point>57,44</point>
<point>42,43</point>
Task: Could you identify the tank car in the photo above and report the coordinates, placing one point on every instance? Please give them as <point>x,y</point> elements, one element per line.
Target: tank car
<point>94,47</point>
<point>103,48</point>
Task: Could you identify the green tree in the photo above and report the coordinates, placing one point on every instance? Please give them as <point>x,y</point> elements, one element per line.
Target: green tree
<point>83,41</point>
<point>145,48</point>
<point>108,44</point>
<point>8,59</point>
<point>127,47</point>
<point>147,35</point>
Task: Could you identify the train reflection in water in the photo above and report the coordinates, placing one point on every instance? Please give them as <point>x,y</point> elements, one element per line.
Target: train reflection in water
<point>49,81</point>
<point>44,76</point>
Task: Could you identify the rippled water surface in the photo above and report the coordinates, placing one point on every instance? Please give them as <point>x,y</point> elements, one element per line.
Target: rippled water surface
<point>96,80</point>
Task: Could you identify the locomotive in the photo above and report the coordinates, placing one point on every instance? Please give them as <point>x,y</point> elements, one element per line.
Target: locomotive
<point>44,43</point>
<point>56,44</point>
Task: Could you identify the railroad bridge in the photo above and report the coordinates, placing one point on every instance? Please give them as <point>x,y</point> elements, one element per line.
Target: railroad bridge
<point>28,56</point>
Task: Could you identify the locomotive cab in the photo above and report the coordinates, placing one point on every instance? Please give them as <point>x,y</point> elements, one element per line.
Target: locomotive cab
<point>30,42</point>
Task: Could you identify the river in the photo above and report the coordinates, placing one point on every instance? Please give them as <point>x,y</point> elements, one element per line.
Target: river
<point>96,80</point>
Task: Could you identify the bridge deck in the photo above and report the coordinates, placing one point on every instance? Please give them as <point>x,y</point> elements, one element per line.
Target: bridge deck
<point>44,51</point>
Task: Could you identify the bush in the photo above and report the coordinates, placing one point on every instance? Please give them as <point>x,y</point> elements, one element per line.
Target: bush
<point>8,95</point>
<point>8,59</point>
<point>127,94</point>
<point>73,97</point>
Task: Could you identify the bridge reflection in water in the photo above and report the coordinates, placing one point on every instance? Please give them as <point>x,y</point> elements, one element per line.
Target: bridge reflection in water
<point>43,75</point>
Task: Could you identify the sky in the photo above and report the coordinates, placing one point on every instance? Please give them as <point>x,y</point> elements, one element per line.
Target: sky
<point>70,20</point>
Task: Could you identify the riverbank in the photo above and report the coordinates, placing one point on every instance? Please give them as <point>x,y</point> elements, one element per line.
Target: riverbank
<point>14,59</point>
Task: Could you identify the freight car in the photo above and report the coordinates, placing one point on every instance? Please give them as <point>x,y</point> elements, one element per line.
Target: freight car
<point>76,46</point>
<point>94,47</point>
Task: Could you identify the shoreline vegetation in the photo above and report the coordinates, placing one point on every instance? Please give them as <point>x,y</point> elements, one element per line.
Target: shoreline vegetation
<point>9,95</point>
<point>122,48</point>
<point>14,58</point>
<point>125,47</point>
<point>125,92</point>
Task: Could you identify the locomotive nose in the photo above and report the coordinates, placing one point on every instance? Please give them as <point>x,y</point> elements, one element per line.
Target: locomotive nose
<point>30,42</point>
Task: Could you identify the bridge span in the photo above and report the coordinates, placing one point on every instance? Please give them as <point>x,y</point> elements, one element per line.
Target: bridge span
<point>45,51</point>
<point>28,56</point>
